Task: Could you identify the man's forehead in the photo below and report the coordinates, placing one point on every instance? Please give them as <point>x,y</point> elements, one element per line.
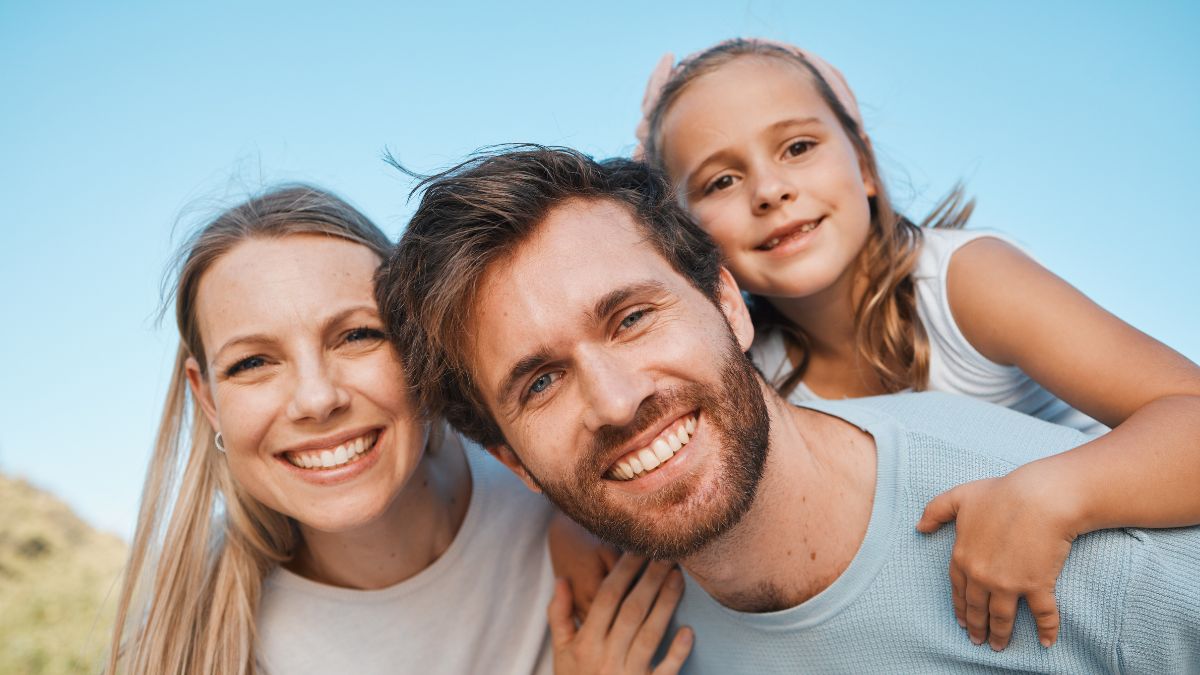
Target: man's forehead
<point>545,289</point>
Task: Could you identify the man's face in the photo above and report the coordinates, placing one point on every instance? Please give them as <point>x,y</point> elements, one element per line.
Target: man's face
<point>622,390</point>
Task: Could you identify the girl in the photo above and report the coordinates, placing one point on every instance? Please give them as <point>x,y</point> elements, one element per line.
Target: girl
<point>766,146</point>
<point>300,516</point>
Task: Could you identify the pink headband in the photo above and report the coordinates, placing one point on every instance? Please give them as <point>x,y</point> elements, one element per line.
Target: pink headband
<point>666,68</point>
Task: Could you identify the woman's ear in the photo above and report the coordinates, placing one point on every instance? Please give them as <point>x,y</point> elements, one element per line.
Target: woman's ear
<point>509,458</point>
<point>201,391</point>
<point>733,306</point>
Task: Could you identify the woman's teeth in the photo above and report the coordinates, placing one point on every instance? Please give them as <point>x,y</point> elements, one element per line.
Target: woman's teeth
<point>641,462</point>
<point>327,459</point>
<point>803,229</point>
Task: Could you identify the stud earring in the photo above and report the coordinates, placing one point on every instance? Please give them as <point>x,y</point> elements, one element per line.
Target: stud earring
<point>220,442</point>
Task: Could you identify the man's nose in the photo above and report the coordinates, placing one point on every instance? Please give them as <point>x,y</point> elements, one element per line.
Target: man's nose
<point>613,389</point>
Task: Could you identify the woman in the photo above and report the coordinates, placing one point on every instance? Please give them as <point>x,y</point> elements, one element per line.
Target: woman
<point>299,514</point>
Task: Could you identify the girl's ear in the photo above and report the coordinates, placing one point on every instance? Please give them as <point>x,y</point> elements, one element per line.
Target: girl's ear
<point>868,180</point>
<point>509,458</point>
<point>201,391</point>
<point>733,306</point>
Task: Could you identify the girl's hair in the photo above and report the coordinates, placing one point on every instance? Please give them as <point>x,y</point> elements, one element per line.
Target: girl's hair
<point>888,335</point>
<point>203,545</point>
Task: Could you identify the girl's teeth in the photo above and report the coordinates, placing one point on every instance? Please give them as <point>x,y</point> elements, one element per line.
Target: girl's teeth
<point>326,459</point>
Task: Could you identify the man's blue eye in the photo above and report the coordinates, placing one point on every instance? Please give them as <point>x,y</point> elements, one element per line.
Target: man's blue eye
<point>539,385</point>
<point>633,318</point>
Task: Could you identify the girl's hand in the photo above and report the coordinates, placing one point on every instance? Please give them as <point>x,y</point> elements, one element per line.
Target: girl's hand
<point>581,559</point>
<point>624,627</point>
<point>1012,537</point>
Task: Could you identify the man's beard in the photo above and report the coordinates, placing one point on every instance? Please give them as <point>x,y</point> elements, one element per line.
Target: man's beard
<point>735,411</point>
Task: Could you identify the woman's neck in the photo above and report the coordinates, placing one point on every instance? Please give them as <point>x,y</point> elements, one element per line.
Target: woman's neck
<point>414,531</point>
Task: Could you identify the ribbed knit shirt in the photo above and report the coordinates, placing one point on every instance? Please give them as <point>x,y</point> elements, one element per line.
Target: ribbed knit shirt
<point>1129,599</point>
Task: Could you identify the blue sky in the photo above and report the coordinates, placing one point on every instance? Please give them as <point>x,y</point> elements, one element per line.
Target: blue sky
<point>1075,124</point>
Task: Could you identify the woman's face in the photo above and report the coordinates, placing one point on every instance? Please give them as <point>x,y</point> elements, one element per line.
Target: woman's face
<point>765,167</point>
<point>308,395</point>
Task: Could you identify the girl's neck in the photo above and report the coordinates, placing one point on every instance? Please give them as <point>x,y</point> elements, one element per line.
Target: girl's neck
<point>827,318</point>
<point>414,531</point>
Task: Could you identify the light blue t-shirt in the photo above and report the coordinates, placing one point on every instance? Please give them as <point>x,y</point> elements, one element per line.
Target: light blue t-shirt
<point>1129,599</point>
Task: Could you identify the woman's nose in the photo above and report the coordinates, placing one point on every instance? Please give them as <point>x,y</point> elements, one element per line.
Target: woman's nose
<point>318,395</point>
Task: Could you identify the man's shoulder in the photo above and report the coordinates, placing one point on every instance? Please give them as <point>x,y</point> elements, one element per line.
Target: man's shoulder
<point>959,421</point>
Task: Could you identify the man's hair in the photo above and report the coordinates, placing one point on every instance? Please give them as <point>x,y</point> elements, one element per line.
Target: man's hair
<point>475,216</point>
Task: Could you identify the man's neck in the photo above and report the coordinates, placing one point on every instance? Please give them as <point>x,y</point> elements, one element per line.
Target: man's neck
<point>808,518</point>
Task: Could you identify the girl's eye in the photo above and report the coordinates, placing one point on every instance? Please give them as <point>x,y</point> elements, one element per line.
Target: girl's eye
<point>720,183</point>
<point>799,148</point>
<point>632,318</point>
<point>364,333</point>
<point>543,382</point>
<point>245,364</point>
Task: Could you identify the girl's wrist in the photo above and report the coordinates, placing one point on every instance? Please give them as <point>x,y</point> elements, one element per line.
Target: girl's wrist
<point>1061,495</point>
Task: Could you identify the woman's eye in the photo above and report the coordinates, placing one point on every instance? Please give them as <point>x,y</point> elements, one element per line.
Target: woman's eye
<point>543,382</point>
<point>632,318</point>
<point>799,148</point>
<point>720,183</point>
<point>360,334</point>
<point>245,364</point>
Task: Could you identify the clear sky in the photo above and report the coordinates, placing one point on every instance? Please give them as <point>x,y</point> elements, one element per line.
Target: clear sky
<point>1075,124</point>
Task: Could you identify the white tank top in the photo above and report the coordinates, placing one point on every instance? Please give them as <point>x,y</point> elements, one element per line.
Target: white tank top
<point>955,366</point>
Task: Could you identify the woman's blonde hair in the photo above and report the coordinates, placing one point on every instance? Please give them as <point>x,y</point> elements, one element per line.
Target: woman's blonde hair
<point>889,337</point>
<point>203,545</point>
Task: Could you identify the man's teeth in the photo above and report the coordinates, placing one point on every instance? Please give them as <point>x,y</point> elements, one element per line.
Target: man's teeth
<point>327,459</point>
<point>803,229</point>
<point>649,458</point>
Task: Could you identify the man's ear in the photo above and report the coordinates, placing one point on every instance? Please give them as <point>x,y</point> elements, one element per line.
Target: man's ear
<point>733,306</point>
<point>509,458</point>
<point>201,391</point>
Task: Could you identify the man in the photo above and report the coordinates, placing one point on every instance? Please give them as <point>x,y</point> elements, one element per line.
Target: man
<point>569,317</point>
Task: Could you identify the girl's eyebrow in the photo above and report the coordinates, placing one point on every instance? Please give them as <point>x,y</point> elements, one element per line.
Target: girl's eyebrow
<point>774,127</point>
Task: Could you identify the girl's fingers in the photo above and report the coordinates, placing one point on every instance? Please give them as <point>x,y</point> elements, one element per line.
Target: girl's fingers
<point>608,597</point>
<point>977,612</point>
<point>958,593</point>
<point>1045,614</point>
<point>637,605</point>
<point>654,629</point>
<point>559,616</point>
<point>681,646</point>
<point>1002,611</point>
<point>939,511</point>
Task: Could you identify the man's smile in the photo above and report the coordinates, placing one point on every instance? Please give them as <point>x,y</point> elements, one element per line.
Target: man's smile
<point>643,460</point>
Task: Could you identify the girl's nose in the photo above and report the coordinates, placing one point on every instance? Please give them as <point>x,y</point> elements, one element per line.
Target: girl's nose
<point>318,396</point>
<point>772,189</point>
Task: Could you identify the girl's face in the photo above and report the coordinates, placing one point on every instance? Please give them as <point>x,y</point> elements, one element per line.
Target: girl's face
<point>307,393</point>
<point>763,164</point>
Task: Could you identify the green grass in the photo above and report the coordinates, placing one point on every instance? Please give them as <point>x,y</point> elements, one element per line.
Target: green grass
<point>58,585</point>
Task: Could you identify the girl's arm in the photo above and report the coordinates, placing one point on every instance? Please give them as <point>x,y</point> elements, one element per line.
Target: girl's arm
<point>1013,534</point>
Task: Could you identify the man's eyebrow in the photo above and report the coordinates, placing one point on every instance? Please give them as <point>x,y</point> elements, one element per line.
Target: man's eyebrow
<point>613,299</point>
<point>606,305</point>
<point>518,372</point>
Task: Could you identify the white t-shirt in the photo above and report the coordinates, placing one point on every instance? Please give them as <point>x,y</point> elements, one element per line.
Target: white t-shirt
<point>479,608</point>
<point>955,366</point>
